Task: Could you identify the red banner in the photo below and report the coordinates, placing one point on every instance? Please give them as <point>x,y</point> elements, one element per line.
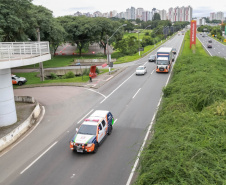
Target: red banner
<point>193,33</point>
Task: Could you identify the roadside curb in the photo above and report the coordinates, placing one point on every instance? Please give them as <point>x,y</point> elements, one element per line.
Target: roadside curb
<point>22,128</point>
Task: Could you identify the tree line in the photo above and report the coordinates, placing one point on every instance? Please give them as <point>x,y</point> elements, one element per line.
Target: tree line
<point>20,20</point>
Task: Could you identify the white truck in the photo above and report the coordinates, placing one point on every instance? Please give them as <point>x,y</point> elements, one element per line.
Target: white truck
<point>18,80</point>
<point>164,60</point>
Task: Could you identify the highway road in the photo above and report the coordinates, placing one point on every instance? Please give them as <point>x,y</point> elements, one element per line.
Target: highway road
<point>44,156</point>
<point>217,49</point>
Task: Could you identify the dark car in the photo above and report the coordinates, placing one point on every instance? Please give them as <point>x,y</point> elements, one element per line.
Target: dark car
<point>210,41</point>
<point>174,51</point>
<point>209,46</point>
<point>152,58</point>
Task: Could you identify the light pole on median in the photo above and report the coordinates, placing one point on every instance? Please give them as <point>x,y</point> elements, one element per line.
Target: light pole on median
<point>139,39</point>
<point>108,55</point>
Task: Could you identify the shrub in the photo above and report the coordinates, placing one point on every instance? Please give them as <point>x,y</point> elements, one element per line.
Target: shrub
<point>53,76</point>
<point>69,74</point>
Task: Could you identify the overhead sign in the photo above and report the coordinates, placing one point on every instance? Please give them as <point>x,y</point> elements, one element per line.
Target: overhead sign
<point>193,33</point>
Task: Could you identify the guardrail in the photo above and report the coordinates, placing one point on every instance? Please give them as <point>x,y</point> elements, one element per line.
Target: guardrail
<point>19,50</point>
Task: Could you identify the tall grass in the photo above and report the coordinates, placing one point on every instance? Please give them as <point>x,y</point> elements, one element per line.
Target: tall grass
<point>189,142</point>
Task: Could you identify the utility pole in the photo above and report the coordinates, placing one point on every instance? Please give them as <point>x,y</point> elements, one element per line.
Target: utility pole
<point>139,43</point>
<point>41,63</point>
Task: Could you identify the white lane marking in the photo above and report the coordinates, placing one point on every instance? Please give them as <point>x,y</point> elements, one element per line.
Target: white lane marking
<point>136,93</point>
<point>96,92</point>
<point>146,137</point>
<point>72,176</point>
<point>117,88</point>
<point>115,121</point>
<point>145,63</point>
<point>38,157</point>
<point>11,147</point>
<point>85,116</point>
<point>152,72</point>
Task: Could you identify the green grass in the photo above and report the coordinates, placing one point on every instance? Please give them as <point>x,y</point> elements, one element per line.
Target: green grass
<point>62,61</point>
<point>218,40</point>
<point>189,141</point>
<point>34,79</point>
<point>141,34</point>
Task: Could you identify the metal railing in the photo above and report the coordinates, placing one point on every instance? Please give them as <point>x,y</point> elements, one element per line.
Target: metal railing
<point>20,50</point>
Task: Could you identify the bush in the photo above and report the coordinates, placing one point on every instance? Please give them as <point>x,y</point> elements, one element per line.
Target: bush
<point>69,74</point>
<point>86,71</point>
<point>97,70</point>
<point>53,76</point>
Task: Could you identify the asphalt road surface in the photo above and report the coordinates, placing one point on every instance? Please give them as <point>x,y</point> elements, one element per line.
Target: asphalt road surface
<point>44,156</point>
<point>217,49</point>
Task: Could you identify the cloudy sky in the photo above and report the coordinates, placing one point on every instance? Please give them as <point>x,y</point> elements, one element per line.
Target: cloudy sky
<point>201,8</point>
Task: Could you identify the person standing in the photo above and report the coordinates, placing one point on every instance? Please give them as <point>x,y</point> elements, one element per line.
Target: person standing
<point>90,77</point>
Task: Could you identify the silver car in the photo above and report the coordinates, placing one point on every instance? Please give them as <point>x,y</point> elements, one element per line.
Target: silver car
<point>141,70</point>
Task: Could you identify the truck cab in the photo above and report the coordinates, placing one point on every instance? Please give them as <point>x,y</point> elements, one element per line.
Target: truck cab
<point>163,64</point>
<point>164,60</point>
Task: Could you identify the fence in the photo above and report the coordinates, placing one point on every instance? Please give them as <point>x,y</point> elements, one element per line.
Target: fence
<point>19,50</point>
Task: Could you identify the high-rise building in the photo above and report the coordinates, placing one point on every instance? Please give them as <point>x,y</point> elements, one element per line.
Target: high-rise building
<point>146,16</point>
<point>97,14</point>
<point>128,14</point>
<point>133,13</point>
<point>176,12</point>
<point>162,14</point>
<point>220,16</point>
<point>188,14</point>
<point>139,12</point>
<point>170,16</point>
<point>212,16</point>
<point>181,14</point>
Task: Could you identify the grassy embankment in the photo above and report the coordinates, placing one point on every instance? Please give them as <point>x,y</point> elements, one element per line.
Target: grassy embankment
<point>189,142</point>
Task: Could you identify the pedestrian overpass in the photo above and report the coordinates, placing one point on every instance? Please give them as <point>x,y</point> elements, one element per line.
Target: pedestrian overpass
<point>16,54</point>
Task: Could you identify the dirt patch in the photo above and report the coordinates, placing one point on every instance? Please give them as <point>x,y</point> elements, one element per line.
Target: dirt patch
<point>23,110</point>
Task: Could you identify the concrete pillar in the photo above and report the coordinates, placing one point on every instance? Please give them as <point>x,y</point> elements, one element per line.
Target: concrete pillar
<point>8,114</point>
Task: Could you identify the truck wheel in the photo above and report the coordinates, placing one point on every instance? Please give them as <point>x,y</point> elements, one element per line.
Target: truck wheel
<point>20,83</point>
<point>96,148</point>
<point>110,130</point>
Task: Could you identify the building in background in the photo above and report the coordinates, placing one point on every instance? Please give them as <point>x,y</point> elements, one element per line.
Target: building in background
<point>200,21</point>
<point>139,12</point>
<point>220,16</point>
<point>188,14</point>
<point>181,14</point>
<point>174,14</point>
<point>146,16</point>
<point>212,16</point>
<point>133,13</point>
<point>170,14</point>
<point>162,14</point>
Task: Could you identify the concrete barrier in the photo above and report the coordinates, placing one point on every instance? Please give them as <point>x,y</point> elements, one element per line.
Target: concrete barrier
<point>25,99</point>
<point>22,128</point>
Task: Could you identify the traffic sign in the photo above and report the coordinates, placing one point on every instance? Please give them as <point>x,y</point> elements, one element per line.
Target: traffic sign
<point>141,49</point>
<point>224,40</point>
<point>213,35</point>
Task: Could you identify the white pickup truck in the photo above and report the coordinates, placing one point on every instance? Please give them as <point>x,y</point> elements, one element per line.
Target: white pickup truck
<point>18,80</point>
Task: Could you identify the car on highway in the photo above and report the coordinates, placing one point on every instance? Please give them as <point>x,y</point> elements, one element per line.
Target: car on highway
<point>210,41</point>
<point>174,51</point>
<point>141,70</point>
<point>92,132</point>
<point>209,46</point>
<point>152,58</point>
<point>18,80</point>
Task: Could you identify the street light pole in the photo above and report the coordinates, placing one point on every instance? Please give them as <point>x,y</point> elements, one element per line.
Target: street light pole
<point>41,63</point>
<point>108,54</point>
<point>139,39</point>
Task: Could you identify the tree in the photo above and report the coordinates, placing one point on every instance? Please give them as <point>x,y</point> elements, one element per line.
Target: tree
<point>105,29</point>
<point>156,17</point>
<point>14,18</point>
<point>127,46</point>
<point>80,30</point>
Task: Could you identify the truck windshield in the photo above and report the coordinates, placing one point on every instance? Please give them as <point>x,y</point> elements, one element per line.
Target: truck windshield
<point>162,62</point>
<point>87,129</point>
